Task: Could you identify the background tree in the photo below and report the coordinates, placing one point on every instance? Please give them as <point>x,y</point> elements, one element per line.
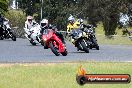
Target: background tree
<point>106,11</point>
<point>29,6</point>
<point>3,5</point>
<point>57,11</point>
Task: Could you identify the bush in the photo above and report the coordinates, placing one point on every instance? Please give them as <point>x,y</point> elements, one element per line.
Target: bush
<point>17,19</point>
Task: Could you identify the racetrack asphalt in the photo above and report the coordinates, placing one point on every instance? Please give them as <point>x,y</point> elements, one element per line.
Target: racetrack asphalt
<point>21,51</point>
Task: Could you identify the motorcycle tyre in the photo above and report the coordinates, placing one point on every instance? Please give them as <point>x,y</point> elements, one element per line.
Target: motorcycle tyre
<point>64,53</point>
<point>85,48</point>
<point>53,49</point>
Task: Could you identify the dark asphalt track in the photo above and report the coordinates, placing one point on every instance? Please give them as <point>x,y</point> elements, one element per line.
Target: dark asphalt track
<point>22,51</point>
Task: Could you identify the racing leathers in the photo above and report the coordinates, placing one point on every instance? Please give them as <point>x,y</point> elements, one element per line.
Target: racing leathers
<point>2,27</point>
<point>28,26</point>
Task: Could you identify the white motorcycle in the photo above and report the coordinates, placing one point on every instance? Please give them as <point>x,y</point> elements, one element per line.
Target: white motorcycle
<point>34,36</point>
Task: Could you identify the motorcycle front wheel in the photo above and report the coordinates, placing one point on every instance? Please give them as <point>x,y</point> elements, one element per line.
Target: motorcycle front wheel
<point>12,36</point>
<point>95,44</point>
<point>85,48</point>
<point>54,49</point>
<point>97,47</point>
<point>1,37</point>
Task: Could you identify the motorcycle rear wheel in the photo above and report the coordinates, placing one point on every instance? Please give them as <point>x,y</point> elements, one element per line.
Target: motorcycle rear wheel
<point>12,36</point>
<point>64,53</point>
<point>33,43</point>
<point>53,49</point>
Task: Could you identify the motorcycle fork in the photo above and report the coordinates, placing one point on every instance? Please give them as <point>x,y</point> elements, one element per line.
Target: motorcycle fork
<point>80,46</point>
<point>84,42</point>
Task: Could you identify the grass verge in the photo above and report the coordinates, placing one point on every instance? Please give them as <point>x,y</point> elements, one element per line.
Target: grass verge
<point>58,75</point>
<point>118,39</point>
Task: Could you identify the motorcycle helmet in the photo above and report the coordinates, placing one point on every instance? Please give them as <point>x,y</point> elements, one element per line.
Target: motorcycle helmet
<point>44,23</point>
<point>80,20</point>
<point>71,19</point>
<point>29,18</point>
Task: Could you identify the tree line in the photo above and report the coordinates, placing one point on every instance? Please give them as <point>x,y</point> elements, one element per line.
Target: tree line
<point>94,11</point>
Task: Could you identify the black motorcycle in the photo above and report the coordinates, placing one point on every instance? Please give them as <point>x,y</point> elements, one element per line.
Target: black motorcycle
<point>92,41</point>
<point>80,40</point>
<point>6,32</point>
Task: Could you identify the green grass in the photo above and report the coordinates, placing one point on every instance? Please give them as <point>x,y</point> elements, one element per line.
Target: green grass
<point>118,39</point>
<point>59,75</point>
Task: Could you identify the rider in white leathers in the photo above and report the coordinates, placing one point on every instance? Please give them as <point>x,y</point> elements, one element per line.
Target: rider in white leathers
<point>32,30</point>
<point>28,25</point>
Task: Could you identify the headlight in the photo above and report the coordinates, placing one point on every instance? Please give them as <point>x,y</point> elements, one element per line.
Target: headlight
<point>45,39</point>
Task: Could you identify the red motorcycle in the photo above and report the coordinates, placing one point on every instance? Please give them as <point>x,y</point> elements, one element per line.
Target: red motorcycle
<point>52,41</point>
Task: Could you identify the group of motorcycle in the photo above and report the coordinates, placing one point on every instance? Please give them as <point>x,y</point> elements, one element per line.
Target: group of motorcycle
<point>84,39</point>
<point>6,31</point>
<point>48,39</point>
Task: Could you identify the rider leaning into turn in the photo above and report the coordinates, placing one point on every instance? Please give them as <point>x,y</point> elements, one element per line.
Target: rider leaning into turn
<point>76,24</point>
<point>2,19</point>
<point>82,25</point>
<point>29,24</point>
<point>2,28</point>
<point>44,24</point>
<point>72,24</point>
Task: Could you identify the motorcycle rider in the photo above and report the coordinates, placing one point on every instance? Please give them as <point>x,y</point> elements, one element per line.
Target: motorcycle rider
<point>72,27</point>
<point>44,24</point>
<point>72,24</point>
<point>81,22</point>
<point>82,25</point>
<point>2,27</point>
<point>90,29</point>
<point>28,25</point>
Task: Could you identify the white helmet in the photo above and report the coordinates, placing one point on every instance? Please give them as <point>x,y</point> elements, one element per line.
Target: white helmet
<point>80,20</point>
<point>71,18</point>
<point>44,23</point>
<point>29,18</point>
